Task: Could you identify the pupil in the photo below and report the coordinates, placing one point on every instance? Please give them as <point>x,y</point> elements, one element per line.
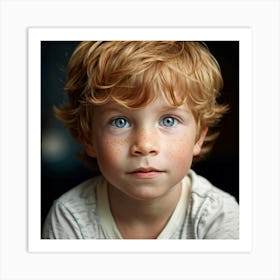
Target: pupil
<point>120,122</point>
<point>168,121</point>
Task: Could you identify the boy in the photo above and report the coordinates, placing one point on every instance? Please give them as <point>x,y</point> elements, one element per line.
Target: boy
<point>143,110</point>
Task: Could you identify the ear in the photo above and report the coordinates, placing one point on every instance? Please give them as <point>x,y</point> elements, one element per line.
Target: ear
<point>89,149</point>
<point>198,145</point>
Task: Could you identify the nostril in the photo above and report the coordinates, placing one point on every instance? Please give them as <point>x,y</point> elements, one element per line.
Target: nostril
<point>144,150</point>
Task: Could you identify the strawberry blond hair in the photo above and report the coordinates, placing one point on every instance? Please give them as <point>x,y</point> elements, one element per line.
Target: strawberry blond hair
<point>133,73</point>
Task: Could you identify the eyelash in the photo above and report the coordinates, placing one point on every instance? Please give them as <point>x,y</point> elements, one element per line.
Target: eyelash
<point>125,123</point>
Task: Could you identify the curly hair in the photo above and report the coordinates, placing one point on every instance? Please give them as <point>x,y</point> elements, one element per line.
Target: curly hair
<point>134,73</point>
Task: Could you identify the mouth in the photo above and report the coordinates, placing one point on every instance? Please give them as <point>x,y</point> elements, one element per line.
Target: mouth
<point>146,172</point>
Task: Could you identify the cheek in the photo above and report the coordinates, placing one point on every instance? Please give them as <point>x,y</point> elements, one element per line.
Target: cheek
<point>180,154</point>
<point>109,151</point>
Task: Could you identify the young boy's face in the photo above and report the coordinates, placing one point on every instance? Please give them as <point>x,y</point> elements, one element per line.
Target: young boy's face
<point>144,152</point>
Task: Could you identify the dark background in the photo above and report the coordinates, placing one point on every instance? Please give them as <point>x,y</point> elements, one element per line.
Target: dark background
<point>61,170</point>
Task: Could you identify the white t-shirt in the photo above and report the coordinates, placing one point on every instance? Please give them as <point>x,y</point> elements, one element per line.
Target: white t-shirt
<point>202,212</point>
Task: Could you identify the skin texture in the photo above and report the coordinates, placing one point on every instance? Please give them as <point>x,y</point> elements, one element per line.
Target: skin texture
<point>144,154</point>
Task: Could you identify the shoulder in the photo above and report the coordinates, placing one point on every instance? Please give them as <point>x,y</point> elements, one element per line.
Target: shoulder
<point>84,193</point>
<point>202,189</point>
<point>215,213</point>
<point>74,214</point>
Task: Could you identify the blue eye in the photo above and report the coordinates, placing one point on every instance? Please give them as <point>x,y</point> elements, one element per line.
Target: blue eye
<point>169,121</point>
<point>120,123</point>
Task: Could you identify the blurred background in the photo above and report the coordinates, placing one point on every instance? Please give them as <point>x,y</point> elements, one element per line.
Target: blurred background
<point>61,170</point>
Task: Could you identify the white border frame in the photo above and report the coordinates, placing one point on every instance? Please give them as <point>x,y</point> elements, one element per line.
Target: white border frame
<point>243,35</point>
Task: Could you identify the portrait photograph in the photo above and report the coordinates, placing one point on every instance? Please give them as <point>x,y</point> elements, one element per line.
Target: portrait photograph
<point>62,168</point>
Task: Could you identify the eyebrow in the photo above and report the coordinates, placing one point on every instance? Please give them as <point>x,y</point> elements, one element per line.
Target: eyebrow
<point>182,109</point>
<point>118,108</point>
<point>112,108</point>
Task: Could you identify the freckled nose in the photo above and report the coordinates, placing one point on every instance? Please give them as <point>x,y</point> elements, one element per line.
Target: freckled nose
<point>145,143</point>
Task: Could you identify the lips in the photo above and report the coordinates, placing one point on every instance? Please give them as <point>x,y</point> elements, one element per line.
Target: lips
<point>146,172</point>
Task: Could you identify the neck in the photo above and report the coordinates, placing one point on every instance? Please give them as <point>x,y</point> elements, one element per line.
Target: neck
<point>142,218</point>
